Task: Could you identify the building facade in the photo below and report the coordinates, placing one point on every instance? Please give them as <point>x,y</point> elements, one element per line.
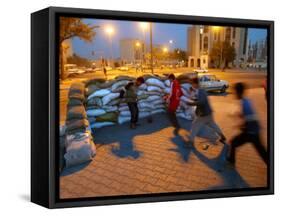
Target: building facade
<point>201,40</point>
<point>131,50</point>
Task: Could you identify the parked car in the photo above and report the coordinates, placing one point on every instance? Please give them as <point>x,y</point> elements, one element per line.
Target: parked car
<point>123,68</point>
<point>212,83</point>
<point>200,70</point>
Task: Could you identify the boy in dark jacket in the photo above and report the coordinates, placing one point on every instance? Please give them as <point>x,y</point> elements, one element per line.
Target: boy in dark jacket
<point>131,98</point>
<point>203,113</point>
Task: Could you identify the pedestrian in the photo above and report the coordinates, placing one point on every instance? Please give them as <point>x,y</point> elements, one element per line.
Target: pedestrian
<point>130,96</point>
<point>105,72</point>
<point>174,101</point>
<point>203,114</point>
<point>250,128</point>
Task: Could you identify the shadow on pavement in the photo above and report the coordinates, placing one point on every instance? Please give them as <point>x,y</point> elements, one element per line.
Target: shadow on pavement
<point>74,169</point>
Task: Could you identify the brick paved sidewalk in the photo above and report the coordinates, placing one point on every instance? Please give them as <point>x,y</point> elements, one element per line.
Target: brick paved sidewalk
<point>151,159</point>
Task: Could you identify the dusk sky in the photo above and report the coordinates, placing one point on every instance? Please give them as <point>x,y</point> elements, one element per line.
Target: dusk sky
<point>162,33</point>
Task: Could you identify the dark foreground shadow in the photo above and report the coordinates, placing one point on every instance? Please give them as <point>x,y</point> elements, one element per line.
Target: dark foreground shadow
<point>123,136</point>
<point>231,178</point>
<point>74,169</point>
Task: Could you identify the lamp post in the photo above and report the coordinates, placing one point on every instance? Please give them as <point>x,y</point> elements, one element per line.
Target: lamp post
<point>217,29</point>
<point>109,30</point>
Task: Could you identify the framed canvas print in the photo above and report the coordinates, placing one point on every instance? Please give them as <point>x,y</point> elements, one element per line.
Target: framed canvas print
<point>138,107</point>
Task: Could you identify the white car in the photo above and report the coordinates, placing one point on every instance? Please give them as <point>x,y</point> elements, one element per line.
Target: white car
<point>200,70</point>
<point>123,68</point>
<point>212,83</point>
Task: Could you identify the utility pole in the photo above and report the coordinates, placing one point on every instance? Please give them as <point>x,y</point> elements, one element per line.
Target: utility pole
<point>151,48</point>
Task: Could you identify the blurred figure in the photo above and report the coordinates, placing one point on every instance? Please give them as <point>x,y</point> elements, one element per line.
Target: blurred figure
<point>131,98</point>
<point>250,128</point>
<point>174,101</point>
<point>105,72</point>
<point>204,116</point>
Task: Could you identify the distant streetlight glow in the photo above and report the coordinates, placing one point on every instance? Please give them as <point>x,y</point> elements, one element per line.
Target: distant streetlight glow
<point>171,41</point>
<point>165,49</point>
<point>109,30</point>
<point>144,25</point>
<point>138,44</point>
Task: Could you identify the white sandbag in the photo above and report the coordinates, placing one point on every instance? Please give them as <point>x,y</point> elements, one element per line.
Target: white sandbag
<point>114,102</point>
<point>123,104</point>
<point>99,93</point>
<point>95,112</point>
<point>78,156</point>
<point>154,89</point>
<point>110,108</point>
<point>62,130</point>
<point>153,93</point>
<point>144,109</point>
<point>155,82</point>
<point>185,92</point>
<point>144,114</point>
<point>186,86</point>
<point>123,119</point>
<point>158,101</point>
<point>78,150</point>
<point>142,86</point>
<point>167,83</point>
<point>186,99</point>
<point>143,105</point>
<point>119,85</point>
<point>106,99</point>
<point>123,108</point>
<point>154,98</point>
<point>140,92</point>
<point>159,106</point>
<point>157,111</point>
<point>183,115</point>
<point>167,90</point>
<point>125,113</point>
<point>101,124</point>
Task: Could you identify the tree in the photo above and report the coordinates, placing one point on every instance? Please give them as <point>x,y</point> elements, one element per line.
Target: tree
<point>222,52</point>
<point>69,28</point>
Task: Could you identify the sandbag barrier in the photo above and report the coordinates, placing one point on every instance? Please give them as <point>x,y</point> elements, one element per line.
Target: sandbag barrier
<point>105,108</point>
<point>76,142</point>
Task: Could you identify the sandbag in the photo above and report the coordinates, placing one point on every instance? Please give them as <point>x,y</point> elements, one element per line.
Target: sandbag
<point>110,108</point>
<point>144,114</point>
<point>145,105</point>
<point>74,102</point>
<point>167,90</point>
<point>114,102</point>
<point>106,99</point>
<point>95,81</point>
<point>157,111</point>
<point>158,101</point>
<point>123,108</point>
<point>123,77</point>
<point>99,93</point>
<point>119,84</point>
<point>167,83</point>
<point>78,156</point>
<point>91,89</point>
<point>101,124</point>
<point>154,98</point>
<point>95,112</point>
<point>107,117</point>
<point>154,89</point>
<point>95,101</point>
<point>186,86</point>
<point>143,86</point>
<point>125,113</point>
<point>155,82</point>
<point>76,112</point>
<point>123,119</point>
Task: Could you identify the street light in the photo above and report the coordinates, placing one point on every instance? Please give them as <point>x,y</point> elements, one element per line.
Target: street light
<point>109,30</point>
<point>217,29</point>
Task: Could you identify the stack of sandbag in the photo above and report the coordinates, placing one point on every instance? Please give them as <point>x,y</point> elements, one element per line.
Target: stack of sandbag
<point>79,145</point>
<point>184,110</point>
<point>105,107</point>
<point>103,100</point>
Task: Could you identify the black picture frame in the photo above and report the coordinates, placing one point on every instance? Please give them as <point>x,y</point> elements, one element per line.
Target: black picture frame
<point>45,110</point>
